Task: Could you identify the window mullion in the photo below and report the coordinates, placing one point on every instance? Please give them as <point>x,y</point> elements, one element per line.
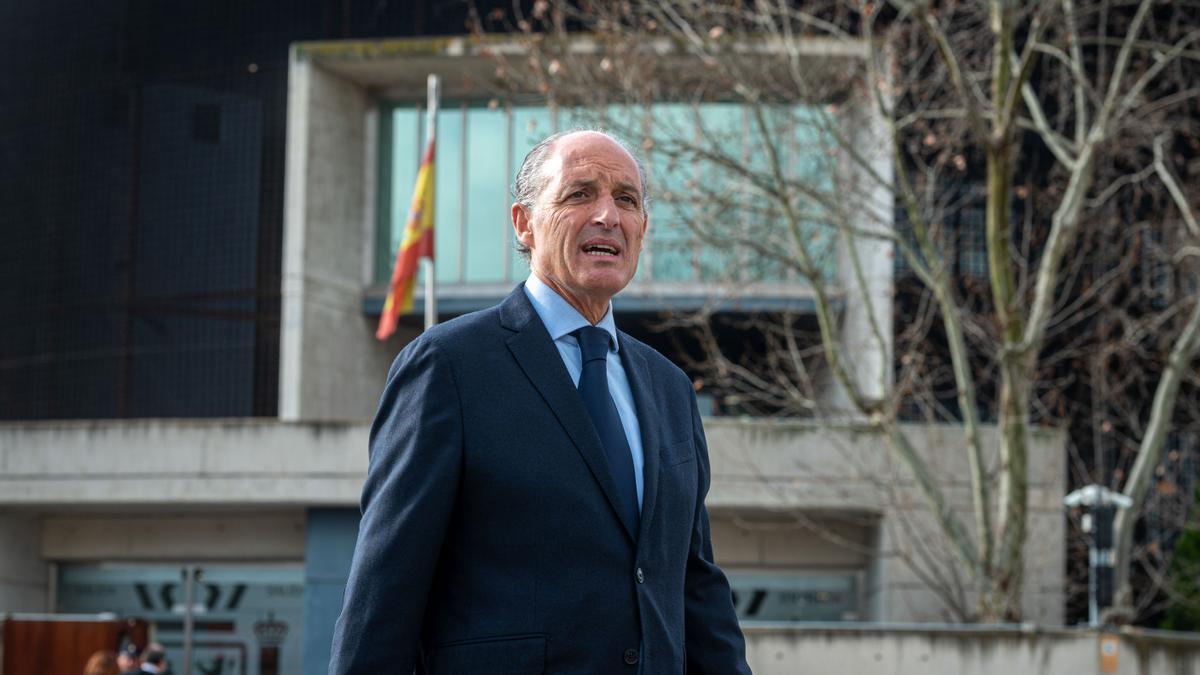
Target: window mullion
<point>462,199</point>
<point>508,180</point>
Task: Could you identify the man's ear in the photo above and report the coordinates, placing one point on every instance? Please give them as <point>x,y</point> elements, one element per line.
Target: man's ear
<point>522,225</point>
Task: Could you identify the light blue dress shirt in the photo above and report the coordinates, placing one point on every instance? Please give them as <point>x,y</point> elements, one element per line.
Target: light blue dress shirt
<point>560,319</point>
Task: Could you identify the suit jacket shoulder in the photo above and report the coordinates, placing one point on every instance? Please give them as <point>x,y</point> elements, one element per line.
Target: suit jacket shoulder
<point>462,332</point>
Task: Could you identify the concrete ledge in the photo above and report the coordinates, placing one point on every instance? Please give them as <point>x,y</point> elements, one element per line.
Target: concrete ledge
<point>182,462</point>
<point>906,649</point>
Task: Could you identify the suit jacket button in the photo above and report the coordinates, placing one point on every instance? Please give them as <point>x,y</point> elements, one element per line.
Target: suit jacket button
<point>641,578</point>
<point>631,656</point>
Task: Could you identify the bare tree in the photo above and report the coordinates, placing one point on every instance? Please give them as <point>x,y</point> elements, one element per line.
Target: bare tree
<point>876,126</point>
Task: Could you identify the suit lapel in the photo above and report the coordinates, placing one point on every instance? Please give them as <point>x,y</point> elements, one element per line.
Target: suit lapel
<point>537,356</point>
<point>647,412</point>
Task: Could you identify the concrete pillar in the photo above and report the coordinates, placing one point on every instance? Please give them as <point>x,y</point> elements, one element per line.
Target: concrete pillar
<point>866,319</point>
<point>24,576</point>
<point>331,367</point>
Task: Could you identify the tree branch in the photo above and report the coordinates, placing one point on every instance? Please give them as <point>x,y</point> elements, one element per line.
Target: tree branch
<point>1150,449</point>
<point>970,97</point>
<point>1052,139</point>
<point>1076,65</point>
<point>1168,179</point>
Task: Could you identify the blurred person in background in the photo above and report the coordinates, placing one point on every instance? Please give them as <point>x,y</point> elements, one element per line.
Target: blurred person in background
<point>102,663</point>
<point>154,659</point>
<point>127,659</point>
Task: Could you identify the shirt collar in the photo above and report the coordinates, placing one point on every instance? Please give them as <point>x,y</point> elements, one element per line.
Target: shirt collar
<point>559,317</point>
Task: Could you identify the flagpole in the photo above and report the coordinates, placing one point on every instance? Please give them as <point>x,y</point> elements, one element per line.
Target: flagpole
<point>433,95</point>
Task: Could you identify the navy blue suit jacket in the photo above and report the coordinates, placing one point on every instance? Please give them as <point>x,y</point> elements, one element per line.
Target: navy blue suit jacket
<point>489,540</point>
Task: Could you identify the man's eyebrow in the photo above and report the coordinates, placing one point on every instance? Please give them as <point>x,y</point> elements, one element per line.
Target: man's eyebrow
<point>579,183</point>
<point>629,187</point>
<point>589,183</point>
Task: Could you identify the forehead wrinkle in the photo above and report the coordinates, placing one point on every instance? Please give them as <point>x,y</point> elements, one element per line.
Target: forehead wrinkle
<point>594,171</point>
<point>565,163</point>
<point>580,182</point>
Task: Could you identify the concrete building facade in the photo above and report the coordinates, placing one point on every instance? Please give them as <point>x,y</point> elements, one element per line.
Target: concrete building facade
<point>812,522</point>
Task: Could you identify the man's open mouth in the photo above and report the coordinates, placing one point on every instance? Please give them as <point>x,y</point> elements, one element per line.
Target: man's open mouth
<point>601,250</point>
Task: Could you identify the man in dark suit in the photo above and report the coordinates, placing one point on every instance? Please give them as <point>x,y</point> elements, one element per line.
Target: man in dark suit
<point>535,496</point>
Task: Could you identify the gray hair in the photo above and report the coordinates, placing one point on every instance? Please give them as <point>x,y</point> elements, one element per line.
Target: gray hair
<point>531,179</point>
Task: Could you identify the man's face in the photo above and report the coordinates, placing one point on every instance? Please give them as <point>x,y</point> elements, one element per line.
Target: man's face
<point>586,229</point>
<point>126,662</point>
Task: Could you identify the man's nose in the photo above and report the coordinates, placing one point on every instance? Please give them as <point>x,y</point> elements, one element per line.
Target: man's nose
<point>607,214</point>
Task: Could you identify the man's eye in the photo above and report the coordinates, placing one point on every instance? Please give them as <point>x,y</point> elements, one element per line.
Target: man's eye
<point>578,194</point>
<point>628,199</point>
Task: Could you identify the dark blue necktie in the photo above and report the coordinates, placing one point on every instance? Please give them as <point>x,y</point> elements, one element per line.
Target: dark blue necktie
<point>593,387</point>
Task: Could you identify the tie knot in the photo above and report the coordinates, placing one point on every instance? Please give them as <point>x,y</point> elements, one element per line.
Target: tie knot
<point>593,343</point>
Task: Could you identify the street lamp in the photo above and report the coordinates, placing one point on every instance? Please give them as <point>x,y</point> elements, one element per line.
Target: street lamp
<point>1102,505</point>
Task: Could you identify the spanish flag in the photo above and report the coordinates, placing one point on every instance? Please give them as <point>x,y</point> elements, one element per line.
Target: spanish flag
<point>417,244</point>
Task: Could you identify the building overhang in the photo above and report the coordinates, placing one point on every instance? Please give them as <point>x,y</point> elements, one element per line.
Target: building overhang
<point>335,194</point>
<point>395,69</point>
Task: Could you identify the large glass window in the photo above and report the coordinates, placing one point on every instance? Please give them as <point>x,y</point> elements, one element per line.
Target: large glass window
<point>480,149</point>
<point>778,596</point>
